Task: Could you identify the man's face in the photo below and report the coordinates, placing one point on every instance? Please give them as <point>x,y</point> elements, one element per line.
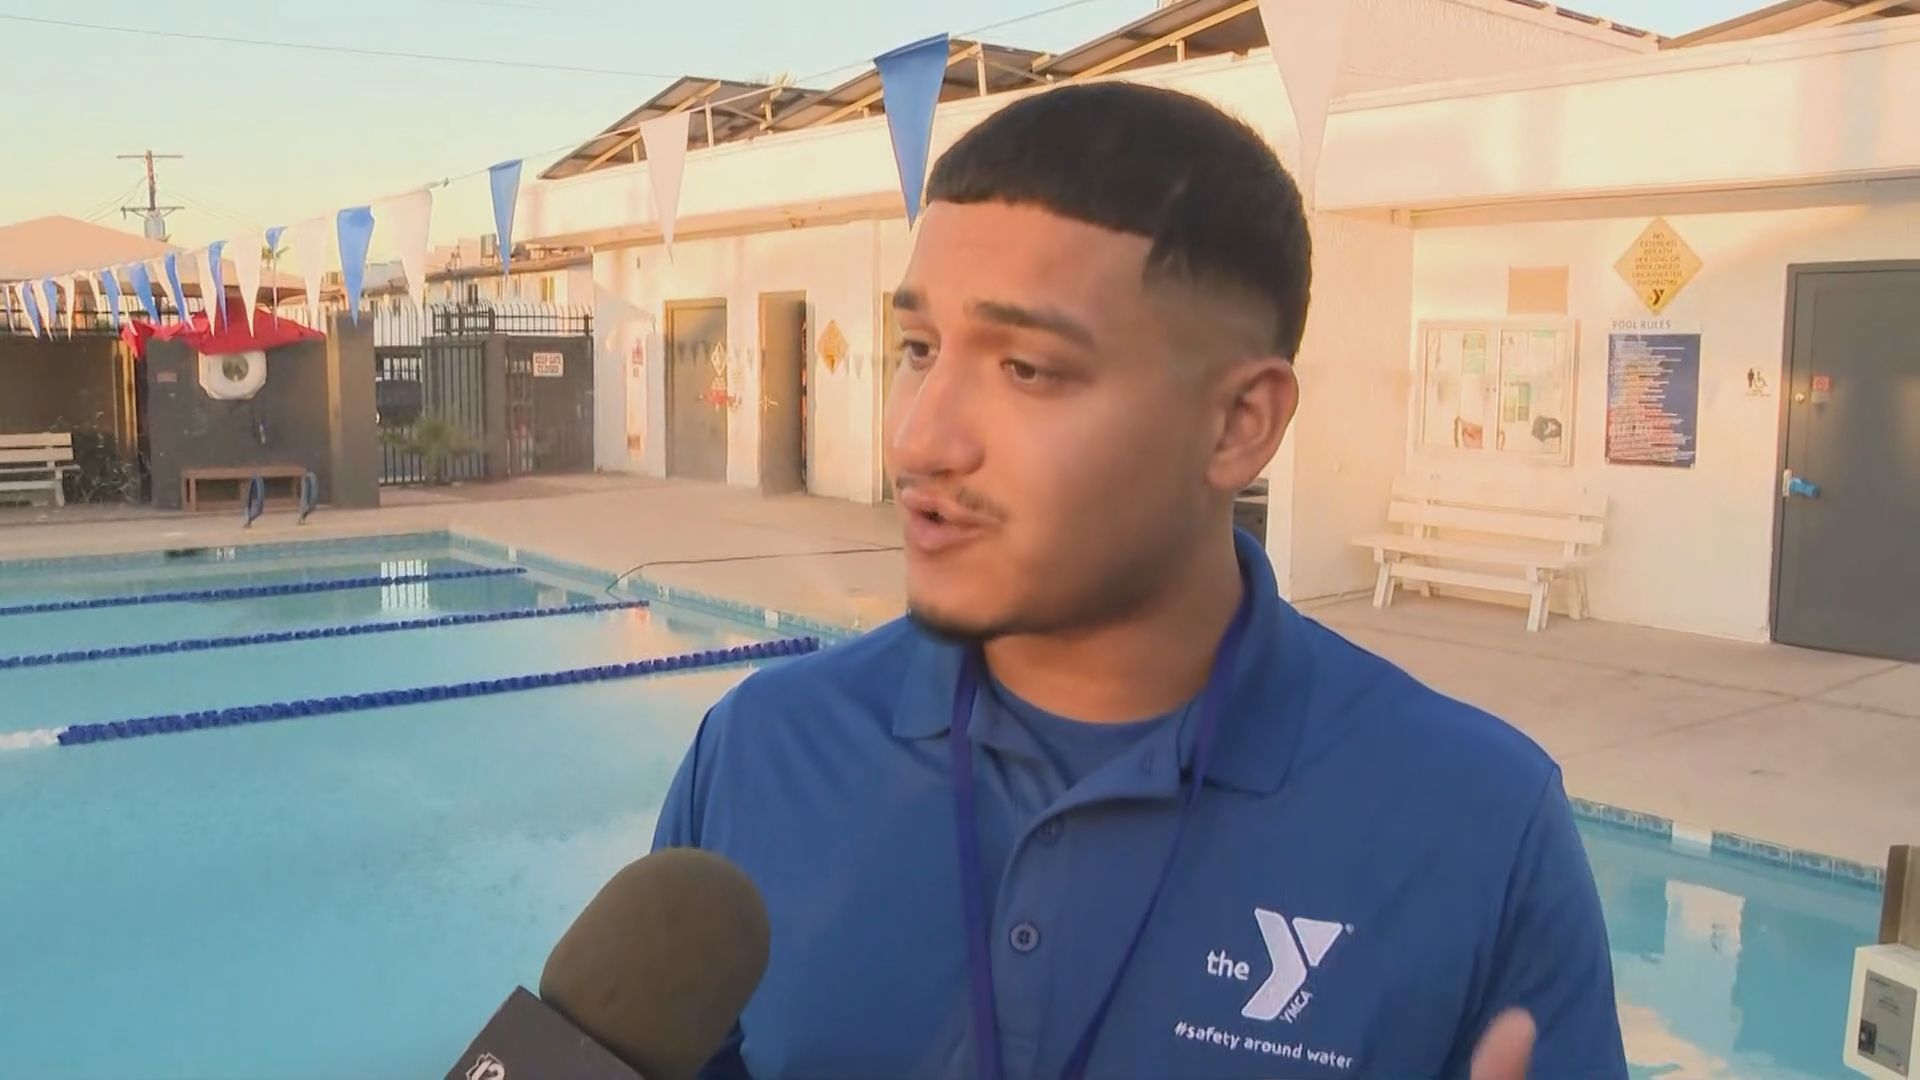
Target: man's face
<point>1052,447</point>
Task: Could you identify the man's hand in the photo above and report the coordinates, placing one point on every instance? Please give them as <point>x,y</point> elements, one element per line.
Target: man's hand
<point>1505,1049</point>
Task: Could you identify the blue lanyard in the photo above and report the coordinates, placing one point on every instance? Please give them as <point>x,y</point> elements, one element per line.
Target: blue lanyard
<point>986,1023</point>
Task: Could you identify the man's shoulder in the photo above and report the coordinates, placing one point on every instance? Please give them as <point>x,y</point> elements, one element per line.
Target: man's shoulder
<point>1364,706</point>
<point>862,674</point>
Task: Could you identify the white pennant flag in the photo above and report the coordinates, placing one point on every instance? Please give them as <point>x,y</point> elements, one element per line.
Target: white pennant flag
<point>411,216</point>
<point>665,139</point>
<point>247,267</point>
<point>309,246</point>
<point>1305,37</point>
<point>73,300</point>
<point>23,294</point>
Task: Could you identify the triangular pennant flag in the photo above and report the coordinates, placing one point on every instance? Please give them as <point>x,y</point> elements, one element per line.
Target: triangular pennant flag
<point>309,245</point>
<point>213,285</point>
<point>665,140</point>
<point>1305,38</point>
<point>24,291</point>
<point>270,255</point>
<point>170,278</point>
<point>143,290</point>
<point>110,279</point>
<point>504,179</point>
<point>73,300</point>
<point>910,81</point>
<point>248,262</point>
<point>356,235</point>
<point>52,311</point>
<point>411,218</point>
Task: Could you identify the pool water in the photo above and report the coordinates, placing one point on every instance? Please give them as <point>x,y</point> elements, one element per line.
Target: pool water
<point>346,895</point>
<point>352,895</point>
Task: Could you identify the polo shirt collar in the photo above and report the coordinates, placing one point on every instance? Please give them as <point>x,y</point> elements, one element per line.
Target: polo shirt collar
<point>1260,723</point>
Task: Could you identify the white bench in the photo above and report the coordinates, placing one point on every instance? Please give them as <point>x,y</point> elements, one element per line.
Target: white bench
<point>1482,536</point>
<point>36,465</point>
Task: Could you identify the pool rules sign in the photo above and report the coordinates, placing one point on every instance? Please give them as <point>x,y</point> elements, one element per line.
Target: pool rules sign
<point>1658,265</point>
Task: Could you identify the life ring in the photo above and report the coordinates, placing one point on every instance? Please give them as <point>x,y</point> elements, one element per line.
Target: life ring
<point>233,376</point>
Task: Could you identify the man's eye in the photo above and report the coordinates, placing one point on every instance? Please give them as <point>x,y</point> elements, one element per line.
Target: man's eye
<point>1023,371</point>
<point>918,354</point>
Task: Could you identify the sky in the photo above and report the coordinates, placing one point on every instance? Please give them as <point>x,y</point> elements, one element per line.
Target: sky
<point>273,135</point>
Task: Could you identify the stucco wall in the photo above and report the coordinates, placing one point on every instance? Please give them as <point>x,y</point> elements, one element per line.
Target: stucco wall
<point>1687,549</point>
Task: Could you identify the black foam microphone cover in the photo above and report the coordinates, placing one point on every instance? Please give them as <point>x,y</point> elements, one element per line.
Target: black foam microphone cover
<point>659,965</point>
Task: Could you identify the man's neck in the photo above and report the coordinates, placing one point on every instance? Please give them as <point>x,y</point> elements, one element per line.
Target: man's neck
<point>1150,662</point>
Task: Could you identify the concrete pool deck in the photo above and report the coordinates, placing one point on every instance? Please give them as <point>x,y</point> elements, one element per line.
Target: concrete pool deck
<point>1809,750</point>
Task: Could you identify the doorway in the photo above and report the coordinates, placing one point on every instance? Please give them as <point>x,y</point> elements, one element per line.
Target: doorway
<point>697,410</point>
<point>1845,578</point>
<point>783,392</point>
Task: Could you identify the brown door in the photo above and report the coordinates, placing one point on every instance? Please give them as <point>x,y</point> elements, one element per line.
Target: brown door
<point>697,382</point>
<point>1846,577</point>
<point>783,389</point>
<point>889,361</point>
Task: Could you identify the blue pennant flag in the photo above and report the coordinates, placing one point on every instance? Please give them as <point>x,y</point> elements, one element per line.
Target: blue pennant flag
<point>910,81</point>
<point>170,265</point>
<point>273,239</point>
<point>52,310</point>
<point>143,290</point>
<point>356,234</point>
<point>110,281</point>
<point>30,306</point>
<point>504,178</point>
<point>217,276</point>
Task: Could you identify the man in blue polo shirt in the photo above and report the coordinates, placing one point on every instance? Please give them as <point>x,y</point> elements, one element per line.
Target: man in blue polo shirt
<point>1104,805</point>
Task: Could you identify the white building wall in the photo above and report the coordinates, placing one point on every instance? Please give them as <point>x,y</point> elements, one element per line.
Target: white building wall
<point>752,192</point>
<point>1686,549</point>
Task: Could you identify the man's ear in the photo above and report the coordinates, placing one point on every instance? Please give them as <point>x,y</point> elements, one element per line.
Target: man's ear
<point>1257,401</point>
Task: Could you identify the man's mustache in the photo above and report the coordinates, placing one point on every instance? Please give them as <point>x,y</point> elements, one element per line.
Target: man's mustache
<point>971,501</point>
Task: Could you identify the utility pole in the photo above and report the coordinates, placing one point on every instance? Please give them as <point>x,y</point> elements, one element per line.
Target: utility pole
<point>154,215</point>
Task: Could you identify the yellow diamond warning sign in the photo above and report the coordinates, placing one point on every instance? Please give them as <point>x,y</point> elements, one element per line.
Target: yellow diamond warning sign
<point>1658,265</point>
<point>833,345</point>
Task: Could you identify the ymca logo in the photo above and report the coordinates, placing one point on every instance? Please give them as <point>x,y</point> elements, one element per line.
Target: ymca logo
<point>1292,950</point>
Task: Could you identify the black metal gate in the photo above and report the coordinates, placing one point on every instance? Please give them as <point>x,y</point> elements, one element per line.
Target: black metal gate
<point>549,389</point>
<point>430,390</point>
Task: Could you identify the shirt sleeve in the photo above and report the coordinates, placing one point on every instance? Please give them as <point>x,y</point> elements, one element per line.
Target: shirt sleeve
<point>1551,956</point>
<point>679,826</point>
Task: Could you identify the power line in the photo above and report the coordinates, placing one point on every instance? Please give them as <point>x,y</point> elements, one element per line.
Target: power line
<point>310,46</point>
<point>212,210</point>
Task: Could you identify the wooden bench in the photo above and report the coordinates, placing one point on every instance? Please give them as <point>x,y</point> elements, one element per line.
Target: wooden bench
<point>239,476</point>
<point>36,465</point>
<point>1483,536</point>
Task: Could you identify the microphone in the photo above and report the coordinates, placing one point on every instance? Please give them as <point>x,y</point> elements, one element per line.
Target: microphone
<point>645,985</point>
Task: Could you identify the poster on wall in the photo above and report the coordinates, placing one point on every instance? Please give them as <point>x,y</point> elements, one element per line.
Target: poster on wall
<point>1501,386</point>
<point>1653,394</point>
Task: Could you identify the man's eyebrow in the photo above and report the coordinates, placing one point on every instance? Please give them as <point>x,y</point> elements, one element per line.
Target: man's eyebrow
<point>1051,320</point>
<point>906,300</point>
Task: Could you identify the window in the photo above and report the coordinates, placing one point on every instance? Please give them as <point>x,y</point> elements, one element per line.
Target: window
<point>1499,386</point>
<point>546,289</point>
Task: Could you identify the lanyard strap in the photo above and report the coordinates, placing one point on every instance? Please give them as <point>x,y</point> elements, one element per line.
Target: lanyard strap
<point>986,1023</point>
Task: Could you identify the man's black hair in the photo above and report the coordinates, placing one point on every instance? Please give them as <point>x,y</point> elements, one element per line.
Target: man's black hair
<point>1204,187</point>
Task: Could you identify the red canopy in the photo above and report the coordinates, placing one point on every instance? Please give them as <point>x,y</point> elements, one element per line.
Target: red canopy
<point>269,332</point>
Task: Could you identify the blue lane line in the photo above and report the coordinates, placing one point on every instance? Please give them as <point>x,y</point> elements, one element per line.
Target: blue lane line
<point>249,592</point>
<point>276,637</point>
<point>285,710</point>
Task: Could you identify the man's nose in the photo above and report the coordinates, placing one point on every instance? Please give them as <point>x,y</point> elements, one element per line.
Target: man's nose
<point>935,431</point>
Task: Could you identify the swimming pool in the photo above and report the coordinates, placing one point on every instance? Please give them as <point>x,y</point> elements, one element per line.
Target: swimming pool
<point>352,894</point>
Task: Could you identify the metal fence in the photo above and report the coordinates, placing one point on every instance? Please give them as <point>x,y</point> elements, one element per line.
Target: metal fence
<point>430,390</point>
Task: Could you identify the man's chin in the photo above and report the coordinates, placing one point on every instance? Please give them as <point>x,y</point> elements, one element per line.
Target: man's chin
<point>951,627</point>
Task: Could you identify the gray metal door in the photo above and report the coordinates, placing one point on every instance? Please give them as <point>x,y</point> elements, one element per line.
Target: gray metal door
<point>697,389</point>
<point>1847,576</point>
<point>783,401</point>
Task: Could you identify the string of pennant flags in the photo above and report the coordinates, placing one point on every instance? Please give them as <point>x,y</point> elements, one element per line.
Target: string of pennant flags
<point>1304,35</point>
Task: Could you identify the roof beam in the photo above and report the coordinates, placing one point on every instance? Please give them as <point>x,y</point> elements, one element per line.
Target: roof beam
<point>1175,38</point>
<point>634,135</point>
<point>852,107</point>
<point>1858,12</point>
